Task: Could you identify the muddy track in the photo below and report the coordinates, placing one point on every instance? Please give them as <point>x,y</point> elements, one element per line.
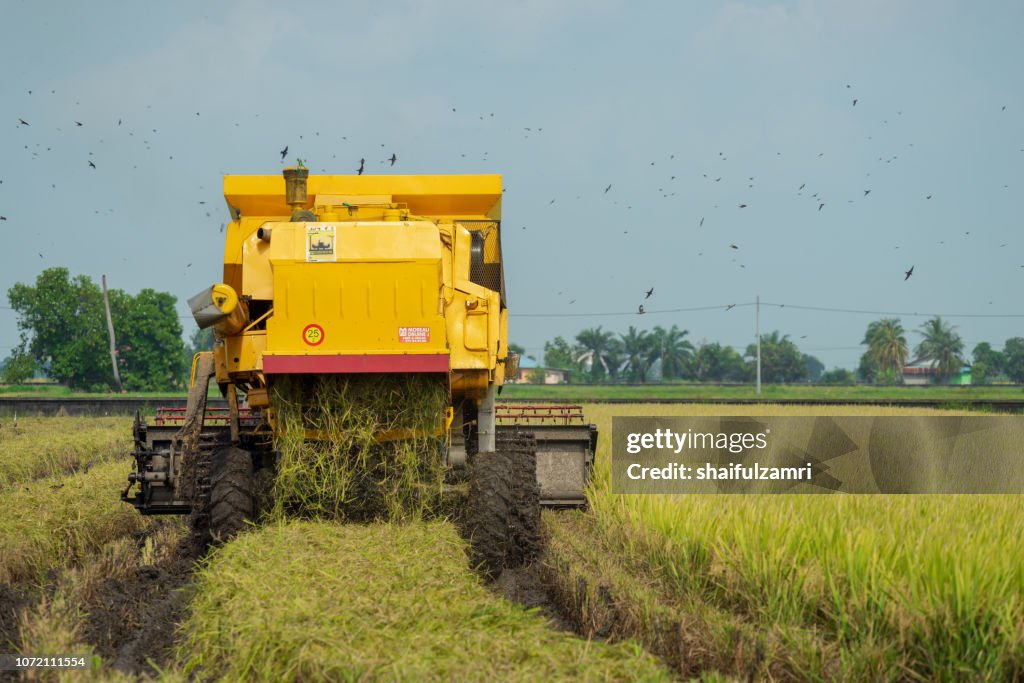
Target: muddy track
<point>132,622</point>
<point>526,586</point>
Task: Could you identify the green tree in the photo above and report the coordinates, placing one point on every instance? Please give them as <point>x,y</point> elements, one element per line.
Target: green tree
<point>600,351</point>
<point>516,348</point>
<point>988,363</point>
<point>943,347</point>
<point>837,376</point>
<point>674,351</point>
<point>637,350</point>
<point>1013,359</point>
<point>559,354</point>
<point>867,368</point>
<point>716,363</point>
<point>887,347</point>
<point>148,332</point>
<point>813,366</point>
<point>18,367</point>
<point>781,360</point>
<point>63,327</point>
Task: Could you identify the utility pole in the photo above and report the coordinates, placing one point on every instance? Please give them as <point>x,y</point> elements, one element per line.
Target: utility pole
<point>110,330</point>
<point>757,331</point>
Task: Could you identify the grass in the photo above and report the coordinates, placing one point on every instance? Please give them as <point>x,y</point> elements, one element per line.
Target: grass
<point>806,587</point>
<point>36,447</point>
<point>322,601</point>
<point>56,522</point>
<point>594,392</point>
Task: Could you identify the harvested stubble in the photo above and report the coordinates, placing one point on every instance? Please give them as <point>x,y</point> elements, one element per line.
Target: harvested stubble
<point>343,470</point>
<point>36,447</point>
<point>324,601</point>
<point>55,522</point>
<point>890,587</point>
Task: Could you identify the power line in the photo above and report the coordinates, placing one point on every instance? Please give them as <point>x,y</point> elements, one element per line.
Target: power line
<point>899,313</point>
<point>724,307</point>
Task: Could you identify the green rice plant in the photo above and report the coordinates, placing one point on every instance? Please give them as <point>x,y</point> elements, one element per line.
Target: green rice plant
<point>358,447</point>
<point>899,587</point>
<point>36,447</point>
<point>309,600</point>
<point>56,522</point>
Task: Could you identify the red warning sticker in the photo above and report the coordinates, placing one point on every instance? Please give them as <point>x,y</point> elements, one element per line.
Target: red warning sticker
<point>313,334</point>
<point>416,335</point>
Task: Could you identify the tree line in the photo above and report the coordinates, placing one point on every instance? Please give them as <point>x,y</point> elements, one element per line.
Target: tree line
<point>64,335</point>
<point>597,355</point>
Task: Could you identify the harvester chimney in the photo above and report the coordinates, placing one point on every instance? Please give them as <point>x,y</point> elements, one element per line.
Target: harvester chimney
<point>295,193</point>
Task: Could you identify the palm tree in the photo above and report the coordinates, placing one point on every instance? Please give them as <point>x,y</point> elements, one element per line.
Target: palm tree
<point>674,351</point>
<point>600,351</point>
<point>887,345</point>
<point>637,348</point>
<point>942,346</point>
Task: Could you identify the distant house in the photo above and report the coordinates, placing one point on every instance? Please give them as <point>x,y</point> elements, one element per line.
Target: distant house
<point>921,371</point>
<point>530,373</point>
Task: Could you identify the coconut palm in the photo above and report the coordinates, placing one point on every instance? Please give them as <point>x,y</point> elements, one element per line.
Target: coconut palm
<point>887,345</point>
<point>636,347</point>
<point>942,346</point>
<point>598,350</point>
<point>675,352</point>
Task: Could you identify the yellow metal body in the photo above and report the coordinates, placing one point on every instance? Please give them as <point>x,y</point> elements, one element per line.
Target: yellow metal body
<point>394,270</point>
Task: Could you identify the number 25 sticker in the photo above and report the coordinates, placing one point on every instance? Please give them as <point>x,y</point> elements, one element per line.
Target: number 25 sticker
<point>313,334</point>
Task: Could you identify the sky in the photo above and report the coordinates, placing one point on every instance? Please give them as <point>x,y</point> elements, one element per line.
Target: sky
<point>716,124</point>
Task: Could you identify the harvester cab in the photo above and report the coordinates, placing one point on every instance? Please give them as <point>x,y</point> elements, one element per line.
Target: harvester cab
<point>341,276</point>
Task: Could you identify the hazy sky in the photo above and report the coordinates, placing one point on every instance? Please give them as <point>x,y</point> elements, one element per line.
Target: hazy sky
<point>660,100</point>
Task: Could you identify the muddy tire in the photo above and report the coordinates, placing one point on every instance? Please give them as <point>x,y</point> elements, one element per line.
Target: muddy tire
<point>520,449</point>
<point>487,513</point>
<point>231,492</point>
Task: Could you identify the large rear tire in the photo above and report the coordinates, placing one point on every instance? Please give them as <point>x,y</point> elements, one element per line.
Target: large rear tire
<point>231,493</point>
<point>520,449</point>
<point>503,510</point>
<point>487,516</point>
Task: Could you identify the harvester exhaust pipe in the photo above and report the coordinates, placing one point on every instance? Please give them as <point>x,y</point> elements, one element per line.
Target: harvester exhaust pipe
<point>295,193</point>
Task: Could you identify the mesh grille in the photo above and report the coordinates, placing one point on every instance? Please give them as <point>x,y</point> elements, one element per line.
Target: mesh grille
<point>485,264</point>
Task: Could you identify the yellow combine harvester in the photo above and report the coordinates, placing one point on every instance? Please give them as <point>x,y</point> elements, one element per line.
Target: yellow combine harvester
<point>360,274</point>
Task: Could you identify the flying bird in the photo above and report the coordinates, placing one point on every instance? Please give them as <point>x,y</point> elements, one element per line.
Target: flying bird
<point>78,123</point>
<point>284,152</point>
<point>906,275</point>
<point>92,164</point>
<point>701,222</point>
<point>867,192</point>
<point>928,197</point>
<point>855,103</point>
<point>649,293</point>
<point>743,206</point>
<point>802,186</point>
<point>730,307</point>
<point>733,246</point>
<point>362,165</point>
<point>393,158</point>
<point>821,206</point>
<point>3,218</point>
<point>607,188</point>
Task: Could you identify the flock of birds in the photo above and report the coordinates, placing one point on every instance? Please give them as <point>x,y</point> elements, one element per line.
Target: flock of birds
<point>391,160</point>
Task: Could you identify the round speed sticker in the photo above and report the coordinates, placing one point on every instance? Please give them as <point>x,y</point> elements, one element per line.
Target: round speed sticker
<point>313,334</point>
